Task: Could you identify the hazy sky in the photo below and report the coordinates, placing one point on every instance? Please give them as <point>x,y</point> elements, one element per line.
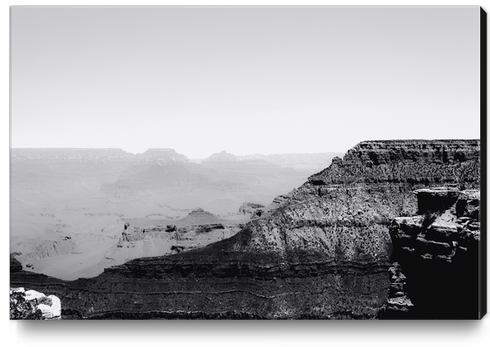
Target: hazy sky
<point>247,80</point>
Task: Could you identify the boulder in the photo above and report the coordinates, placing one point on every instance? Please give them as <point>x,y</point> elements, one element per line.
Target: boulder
<point>50,306</point>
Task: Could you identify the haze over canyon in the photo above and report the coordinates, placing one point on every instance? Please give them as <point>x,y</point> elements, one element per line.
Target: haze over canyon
<point>69,206</point>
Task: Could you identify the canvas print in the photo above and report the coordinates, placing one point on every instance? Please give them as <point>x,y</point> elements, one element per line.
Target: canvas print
<point>247,162</point>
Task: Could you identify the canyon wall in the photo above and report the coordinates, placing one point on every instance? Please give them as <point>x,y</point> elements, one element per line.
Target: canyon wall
<point>321,251</point>
<point>439,253</point>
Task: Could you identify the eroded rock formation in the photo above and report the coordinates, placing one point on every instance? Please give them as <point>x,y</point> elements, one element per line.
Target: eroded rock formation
<point>399,305</point>
<point>322,251</point>
<point>439,252</point>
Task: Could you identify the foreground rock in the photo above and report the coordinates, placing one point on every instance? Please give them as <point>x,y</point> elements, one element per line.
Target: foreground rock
<point>322,251</point>
<point>438,251</point>
<point>33,305</point>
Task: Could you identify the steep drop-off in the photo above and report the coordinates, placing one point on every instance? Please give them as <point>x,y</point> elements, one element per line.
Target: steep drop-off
<point>321,251</point>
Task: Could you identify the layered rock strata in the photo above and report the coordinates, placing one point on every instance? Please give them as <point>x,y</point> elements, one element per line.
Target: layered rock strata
<point>439,252</point>
<point>322,251</point>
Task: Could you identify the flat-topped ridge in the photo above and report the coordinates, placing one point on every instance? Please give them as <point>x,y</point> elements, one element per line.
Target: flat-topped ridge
<point>69,153</point>
<point>417,149</point>
<point>163,154</point>
<point>406,161</point>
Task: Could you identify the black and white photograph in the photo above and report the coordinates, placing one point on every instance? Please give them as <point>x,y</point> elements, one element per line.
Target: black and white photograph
<point>247,163</point>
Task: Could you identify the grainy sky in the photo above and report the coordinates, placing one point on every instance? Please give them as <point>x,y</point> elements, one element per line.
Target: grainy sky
<point>247,80</point>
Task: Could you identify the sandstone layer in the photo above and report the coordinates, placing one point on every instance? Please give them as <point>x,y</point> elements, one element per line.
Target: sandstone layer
<point>321,251</point>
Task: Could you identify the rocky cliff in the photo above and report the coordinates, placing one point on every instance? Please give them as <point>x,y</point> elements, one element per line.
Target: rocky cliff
<point>321,251</point>
<point>439,253</point>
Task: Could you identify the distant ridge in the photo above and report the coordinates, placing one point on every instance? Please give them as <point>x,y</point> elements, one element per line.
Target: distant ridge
<point>222,156</point>
<point>163,155</point>
<point>71,149</point>
<point>69,153</point>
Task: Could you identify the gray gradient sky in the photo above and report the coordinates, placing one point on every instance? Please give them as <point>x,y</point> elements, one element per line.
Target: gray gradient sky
<point>248,80</point>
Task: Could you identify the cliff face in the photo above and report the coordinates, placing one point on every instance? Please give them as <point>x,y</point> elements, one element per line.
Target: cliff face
<point>417,162</point>
<point>439,253</point>
<point>322,251</point>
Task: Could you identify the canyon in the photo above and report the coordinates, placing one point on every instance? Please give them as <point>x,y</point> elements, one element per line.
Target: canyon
<point>357,240</point>
<point>69,206</point>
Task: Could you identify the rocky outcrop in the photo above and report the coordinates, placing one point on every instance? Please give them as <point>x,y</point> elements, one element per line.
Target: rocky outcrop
<point>152,240</point>
<point>439,252</point>
<point>399,305</point>
<point>167,233</point>
<point>321,251</point>
<point>198,216</point>
<point>50,306</point>
<point>414,162</point>
<point>251,209</point>
<point>20,308</point>
<point>15,265</point>
<point>31,304</point>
